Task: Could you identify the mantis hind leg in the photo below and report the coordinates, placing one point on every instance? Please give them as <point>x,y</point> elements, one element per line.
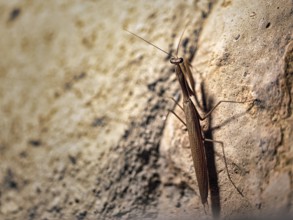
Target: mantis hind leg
<point>227,170</point>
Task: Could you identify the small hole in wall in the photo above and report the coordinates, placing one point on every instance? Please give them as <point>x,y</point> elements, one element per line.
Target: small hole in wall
<point>14,14</point>
<point>268,25</point>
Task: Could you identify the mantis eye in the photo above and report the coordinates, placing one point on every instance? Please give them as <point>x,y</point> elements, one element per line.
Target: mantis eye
<point>175,60</point>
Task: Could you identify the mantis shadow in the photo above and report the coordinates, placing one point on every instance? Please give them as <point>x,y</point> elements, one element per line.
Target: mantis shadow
<point>207,104</point>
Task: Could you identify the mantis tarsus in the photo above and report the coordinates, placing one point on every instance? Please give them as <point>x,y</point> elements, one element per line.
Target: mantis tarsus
<point>192,120</point>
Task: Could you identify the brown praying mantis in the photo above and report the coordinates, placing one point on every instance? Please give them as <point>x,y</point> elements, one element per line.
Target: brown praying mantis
<point>192,120</point>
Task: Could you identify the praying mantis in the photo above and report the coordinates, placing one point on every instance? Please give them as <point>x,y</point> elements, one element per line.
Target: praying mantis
<point>192,119</point>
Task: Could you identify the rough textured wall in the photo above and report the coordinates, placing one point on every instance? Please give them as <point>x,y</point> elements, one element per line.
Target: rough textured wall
<point>85,132</point>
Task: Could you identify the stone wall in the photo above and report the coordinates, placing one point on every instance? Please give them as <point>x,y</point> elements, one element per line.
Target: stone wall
<point>85,129</point>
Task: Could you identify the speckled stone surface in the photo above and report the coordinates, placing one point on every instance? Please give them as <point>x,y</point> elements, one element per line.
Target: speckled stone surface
<point>84,125</point>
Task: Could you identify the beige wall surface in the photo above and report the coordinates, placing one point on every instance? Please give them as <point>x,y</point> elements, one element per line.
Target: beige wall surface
<point>84,126</point>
